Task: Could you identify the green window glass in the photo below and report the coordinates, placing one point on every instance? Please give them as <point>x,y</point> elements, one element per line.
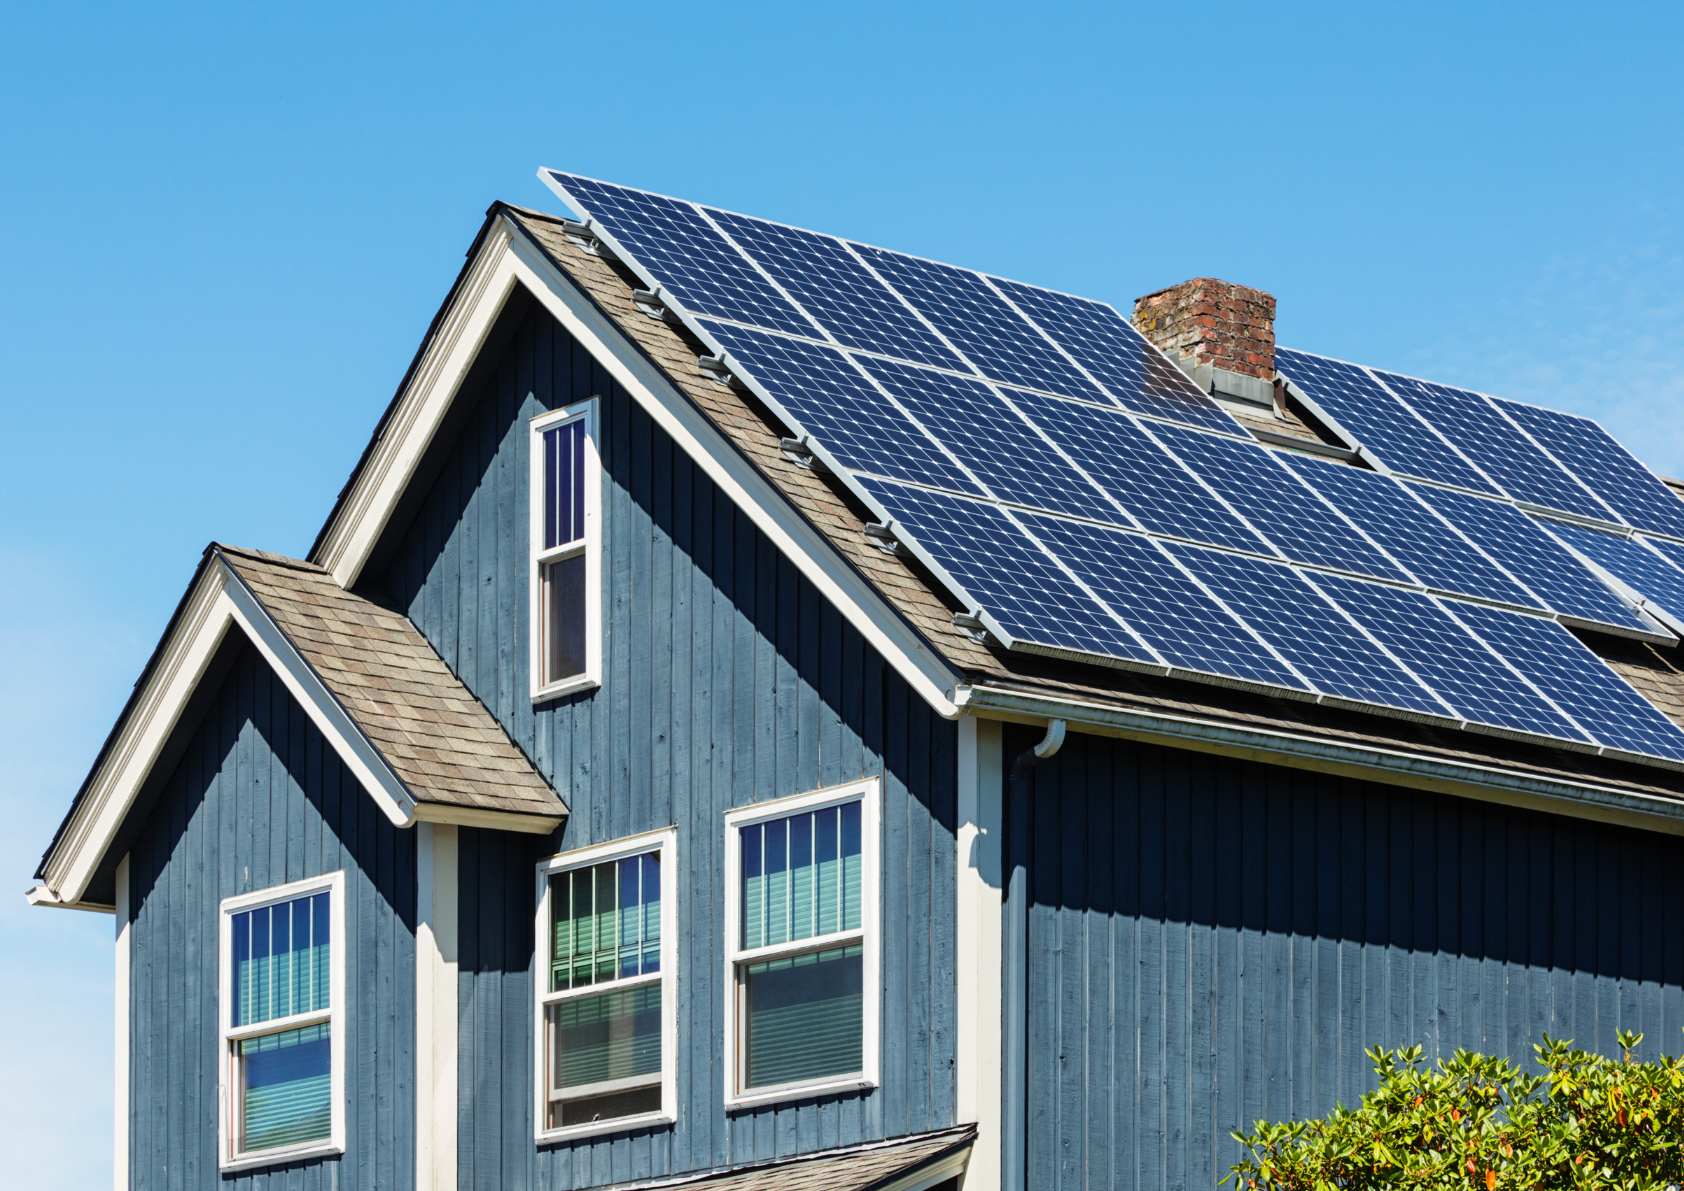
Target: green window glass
<point>603,1007</point>
<point>800,988</point>
<point>280,1024</point>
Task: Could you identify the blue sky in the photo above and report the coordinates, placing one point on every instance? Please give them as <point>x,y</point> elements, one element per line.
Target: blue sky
<point>223,231</point>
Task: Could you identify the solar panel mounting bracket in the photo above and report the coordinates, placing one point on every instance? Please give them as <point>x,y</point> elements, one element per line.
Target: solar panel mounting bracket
<point>800,452</point>
<point>716,370</point>
<point>582,235</point>
<point>882,537</point>
<point>972,625</point>
<point>650,302</point>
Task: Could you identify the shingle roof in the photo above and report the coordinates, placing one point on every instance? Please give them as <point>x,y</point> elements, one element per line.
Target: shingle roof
<point>443,744</point>
<point>921,603</point>
<point>849,1168</point>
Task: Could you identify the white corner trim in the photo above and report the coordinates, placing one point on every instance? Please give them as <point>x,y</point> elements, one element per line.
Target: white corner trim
<point>436,942</point>
<point>980,892</point>
<point>506,258</point>
<point>360,756</point>
<point>120,1049</point>
<point>217,601</point>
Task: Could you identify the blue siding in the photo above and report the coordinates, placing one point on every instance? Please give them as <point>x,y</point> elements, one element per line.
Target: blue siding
<point>257,799</point>
<point>727,680</point>
<point>1211,941</point>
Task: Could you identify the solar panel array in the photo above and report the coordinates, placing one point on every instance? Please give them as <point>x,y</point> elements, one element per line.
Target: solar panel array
<point>1082,498</point>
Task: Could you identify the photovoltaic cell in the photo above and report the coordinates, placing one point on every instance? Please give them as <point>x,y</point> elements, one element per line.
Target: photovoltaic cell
<point>1160,603</point>
<point>826,394</point>
<point>1448,658</point>
<point>1605,467</point>
<point>1407,530</point>
<point>1630,561</point>
<point>1102,341</point>
<point>1303,526</point>
<point>1306,629</point>
<point>694,263</point>
<point>1144,478</point>
<point>834,288</point>
<point>978,321</point>
<point>1554,574</point>
<point>1553,660</point>
<point>1377,420</point>
<point>1000,448</point>
<point>997,565</point>
<point>1497,445</point>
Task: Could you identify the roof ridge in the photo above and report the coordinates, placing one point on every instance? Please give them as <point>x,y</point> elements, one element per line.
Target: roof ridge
<point>270,556</point>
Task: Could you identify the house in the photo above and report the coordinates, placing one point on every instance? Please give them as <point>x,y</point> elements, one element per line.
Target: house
<point>703,750</point>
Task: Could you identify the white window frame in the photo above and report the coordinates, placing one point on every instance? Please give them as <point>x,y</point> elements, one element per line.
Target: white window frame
<point>590,545</point>
<point>333,884</point>
<point>864,792</point>
<point>663,843</point>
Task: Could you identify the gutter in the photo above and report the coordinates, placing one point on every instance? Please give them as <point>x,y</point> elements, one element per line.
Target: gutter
<point>1372,762</point>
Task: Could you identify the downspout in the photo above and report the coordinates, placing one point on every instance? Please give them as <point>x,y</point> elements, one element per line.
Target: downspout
<point>1014,1157</point>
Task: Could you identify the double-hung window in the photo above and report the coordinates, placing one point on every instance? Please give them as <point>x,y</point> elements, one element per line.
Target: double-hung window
<point>801,954</point>
<point>565,494</point>
<point>282,1023</point>
<point>606,1015</point>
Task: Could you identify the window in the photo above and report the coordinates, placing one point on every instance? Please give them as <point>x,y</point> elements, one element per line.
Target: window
<point>283,992</point>
<point>565,487</point>
<point>801,963</point>
<point>606,1015</point>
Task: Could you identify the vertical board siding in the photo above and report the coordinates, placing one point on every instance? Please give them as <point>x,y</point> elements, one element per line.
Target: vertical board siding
<point>258,799</point>
<point>727,680</point>
<point>1211,942</point>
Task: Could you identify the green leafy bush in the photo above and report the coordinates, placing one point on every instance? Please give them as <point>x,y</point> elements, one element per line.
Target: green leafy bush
<point>1473,1121</point>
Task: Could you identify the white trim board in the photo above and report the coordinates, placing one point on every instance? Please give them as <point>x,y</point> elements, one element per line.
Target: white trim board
<point>981,892</point>
<point>120,1051</point>
<point>507,257</point>
<point>437,937</point>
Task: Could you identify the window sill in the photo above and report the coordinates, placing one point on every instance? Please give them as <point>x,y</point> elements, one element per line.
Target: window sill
<point>572,686</point>
<point>647,1120</point>
<point>801,1091</point>
<point>280,1157</point>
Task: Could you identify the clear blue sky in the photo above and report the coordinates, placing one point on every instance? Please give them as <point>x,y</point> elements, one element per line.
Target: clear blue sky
<point>223,231</point>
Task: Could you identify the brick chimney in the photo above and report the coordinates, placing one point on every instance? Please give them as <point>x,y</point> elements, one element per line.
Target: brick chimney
<point>1215,330</point>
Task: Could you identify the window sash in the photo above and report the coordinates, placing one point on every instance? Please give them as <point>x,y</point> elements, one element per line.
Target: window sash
<point>564,501</point>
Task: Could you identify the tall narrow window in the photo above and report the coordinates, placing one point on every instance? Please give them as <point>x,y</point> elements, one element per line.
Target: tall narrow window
<point>565,493</point>
<point>282,1042</point>
<point>605,1003</point>
<point>802,946</point>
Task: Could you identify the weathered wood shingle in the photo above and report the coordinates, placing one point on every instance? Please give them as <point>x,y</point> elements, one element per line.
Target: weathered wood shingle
<point>440,740</point>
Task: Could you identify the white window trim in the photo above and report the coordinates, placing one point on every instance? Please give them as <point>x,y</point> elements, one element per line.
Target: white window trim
<point>663,842</point>
<point>334,1016</point>
<point>866,793</point>
<point>590,546</point>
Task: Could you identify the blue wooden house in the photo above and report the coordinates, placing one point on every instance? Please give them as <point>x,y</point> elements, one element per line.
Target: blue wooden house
<point>767,711</point>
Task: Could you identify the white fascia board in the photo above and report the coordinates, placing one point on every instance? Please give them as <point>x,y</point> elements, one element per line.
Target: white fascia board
<point>217,602</point>
<point>508,257</point>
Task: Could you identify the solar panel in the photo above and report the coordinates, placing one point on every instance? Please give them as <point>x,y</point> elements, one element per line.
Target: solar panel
<point>1604,466</point>
<point>836,290</point>
<point>1635,565</point>
<point>996,338</point>
<point>999,447</point>
<point>691,261</point>
<point>1308,630</point>
<point>1160,603</point>
<point>1303,526</point>
<point>1102,341</point>
<point>1365,412</point>
<point>1497,445</point>
<point>1553,573</point>
<point>983,556</point>
<point>828,398</point>
<point>1151,486</point>
<point>1553,660</point>
<point>1407,530</point>
<point>1449,659</point>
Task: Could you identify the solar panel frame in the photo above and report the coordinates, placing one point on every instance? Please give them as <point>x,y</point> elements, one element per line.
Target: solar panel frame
<point>1632,565</point>
<point>1473,680</point>
<point>1129,368</point>
<point>750,298</point>
<point>1602,463</point>
<point>1385,430</point>
<point>1607,708</point>
<point>1553,573</point>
